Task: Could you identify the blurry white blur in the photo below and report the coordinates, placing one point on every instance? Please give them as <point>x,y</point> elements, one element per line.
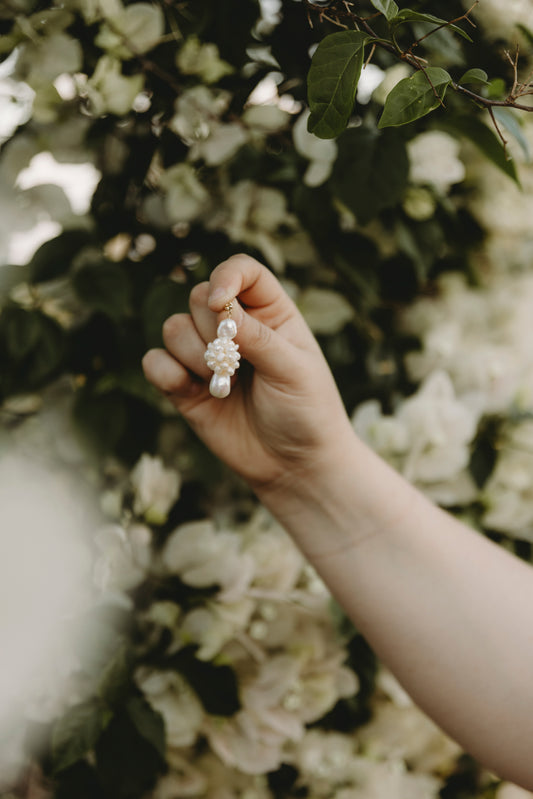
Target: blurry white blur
<point>45,518</point>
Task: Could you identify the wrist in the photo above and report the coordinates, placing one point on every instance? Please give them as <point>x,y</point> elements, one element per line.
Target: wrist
<point>340,497</point>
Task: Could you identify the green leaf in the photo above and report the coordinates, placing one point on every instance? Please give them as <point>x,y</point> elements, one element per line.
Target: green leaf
<point>77,732</point>
<point>474,76</point>
<point>102,420</point>
<point>415,97</point>
<point>164,298</point>
<point>54,257</point>
<point>127,763</point>
<point>20,331</point>
<point>114,680</point>
<point>33,343</point>
<point>370,173</point>
<point>387,7</point>
<point>485,140</point>
<point>407,15</point>
<point>496,89</point>
<point>104,286</point>
<point>507,118</point>
<point>148,723</point>
<point>332,82</point>
<point>526,32</point>
<point>216,686</point>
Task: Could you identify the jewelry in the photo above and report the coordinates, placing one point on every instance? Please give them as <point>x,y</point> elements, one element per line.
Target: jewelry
<point>222,356</point>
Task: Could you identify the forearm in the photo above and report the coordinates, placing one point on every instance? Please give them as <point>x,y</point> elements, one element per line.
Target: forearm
<point>445,609</point>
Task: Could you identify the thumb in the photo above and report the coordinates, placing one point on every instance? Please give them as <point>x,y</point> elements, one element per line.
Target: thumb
<point>269,352</point>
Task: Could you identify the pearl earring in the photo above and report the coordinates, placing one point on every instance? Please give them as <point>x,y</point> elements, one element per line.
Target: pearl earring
<point>222,356</point>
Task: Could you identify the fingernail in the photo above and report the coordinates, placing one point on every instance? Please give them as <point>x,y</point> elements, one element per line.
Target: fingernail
<point>216,296</point>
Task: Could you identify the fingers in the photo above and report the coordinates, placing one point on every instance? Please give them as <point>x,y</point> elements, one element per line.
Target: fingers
<point>169,376</point>
<point>255,286</point>
<point>183,340</point>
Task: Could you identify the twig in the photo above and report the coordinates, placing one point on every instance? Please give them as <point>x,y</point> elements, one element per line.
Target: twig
<point>498,131</point>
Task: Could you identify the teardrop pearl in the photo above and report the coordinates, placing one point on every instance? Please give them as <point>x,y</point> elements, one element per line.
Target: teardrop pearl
<point>220,386</point>
<point>227,329</point>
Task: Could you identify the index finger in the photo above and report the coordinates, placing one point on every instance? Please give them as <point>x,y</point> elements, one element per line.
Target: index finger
<point>243,277</point>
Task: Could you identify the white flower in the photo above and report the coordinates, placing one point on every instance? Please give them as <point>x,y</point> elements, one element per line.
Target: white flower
<point>502,19</point>
<point>478,336</point>
<point>197,112</point>
<point>183,778</point>
<point>221,145</point>
<point>156,489</point>
<point>185,197</point>
<point>212,626</point>
<point>253,214</point>
<point>321,153</point>
<point>132,31</point>
<point>124,557</point>
<point>265,118</point>
<point>204,556</point>
<point>441,429</point>
<point>277,561</point>
<point>428,439</point>
<point>195,58</point>
<point>109,91</point>
<point>325,311</point>
<point>508,791</point>
<point>47,57</point>
<point>508,493</point>
<point>393,75</point>
<point>434,160</point>
<point>171,696</point>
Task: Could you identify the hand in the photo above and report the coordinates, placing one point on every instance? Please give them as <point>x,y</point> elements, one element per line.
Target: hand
<point>284,416</point>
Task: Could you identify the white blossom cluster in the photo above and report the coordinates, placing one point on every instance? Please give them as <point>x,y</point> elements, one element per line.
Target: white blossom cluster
<point>474,362</point>
<point>270,620</point>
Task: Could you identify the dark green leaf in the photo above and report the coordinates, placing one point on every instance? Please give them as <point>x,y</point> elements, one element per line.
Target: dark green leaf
<point>216,686</point>
<point>474,76</point>
<point>101,419</point>
<point>485,139</point>
<point>370,172</point>
<point>47,356</point>
<point>526,32</point>
<point>54,257</point>
<point>20,331</point>
<point>114,678</point>
<point>80,781</point>
<point>496,89</point>
<point>166,297</point>
<point>77,732</point>
<point>332,82</point>
<point>513,124</point>
<point>415,97</point>
<point>126,762</point>
<point>387,7</point>
<point>34,343</point>
<point>104,286</point>
<point>407,15</point>
<point>148,723</point>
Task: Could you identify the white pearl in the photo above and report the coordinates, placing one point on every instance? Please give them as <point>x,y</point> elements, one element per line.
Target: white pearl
<point>227,329</point>
<point>220,386</point>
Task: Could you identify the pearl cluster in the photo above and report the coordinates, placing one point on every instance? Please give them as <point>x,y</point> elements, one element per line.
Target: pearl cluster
<point>222,356</point>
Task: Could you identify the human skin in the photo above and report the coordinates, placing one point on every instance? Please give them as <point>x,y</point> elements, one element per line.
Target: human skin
<point>444,608</point>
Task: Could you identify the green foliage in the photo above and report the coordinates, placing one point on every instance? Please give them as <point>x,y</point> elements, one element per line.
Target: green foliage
<point>159,97</point>
<point>483,137</point>
<point>387,7</point>
<point>370,172</point>
<point>333,79</point>
<point>414,97</point>
<point>76,733</point>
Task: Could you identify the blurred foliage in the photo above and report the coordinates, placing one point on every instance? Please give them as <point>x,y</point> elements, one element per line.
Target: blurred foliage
<point>194,167</point>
